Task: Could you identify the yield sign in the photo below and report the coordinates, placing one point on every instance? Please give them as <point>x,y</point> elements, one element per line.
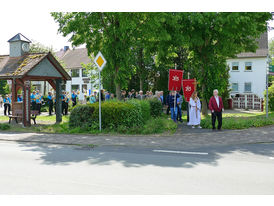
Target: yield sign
<point>100,61</point>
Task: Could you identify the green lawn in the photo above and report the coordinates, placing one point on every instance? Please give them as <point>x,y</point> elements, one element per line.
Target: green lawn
<point>241,120</point>
<point>158,125</point>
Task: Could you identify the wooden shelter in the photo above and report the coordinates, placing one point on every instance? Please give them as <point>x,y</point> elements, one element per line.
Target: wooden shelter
<point>22,67</point>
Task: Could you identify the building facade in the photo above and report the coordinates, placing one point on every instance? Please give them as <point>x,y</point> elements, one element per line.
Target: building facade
<point>248,76</point>
<point>73,60</point>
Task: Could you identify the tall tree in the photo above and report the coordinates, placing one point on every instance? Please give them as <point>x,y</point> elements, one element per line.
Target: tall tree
<point>217,36</point>
<point>109,33</point>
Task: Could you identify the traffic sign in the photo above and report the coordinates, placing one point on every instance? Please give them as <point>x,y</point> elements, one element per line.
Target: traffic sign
<point>100,61</point>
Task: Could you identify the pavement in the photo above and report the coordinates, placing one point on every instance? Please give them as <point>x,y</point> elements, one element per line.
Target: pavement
<point>43,169</point>
<point>184,138</point>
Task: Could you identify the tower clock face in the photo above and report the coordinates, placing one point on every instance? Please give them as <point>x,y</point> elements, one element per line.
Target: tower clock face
<point>25,47</point>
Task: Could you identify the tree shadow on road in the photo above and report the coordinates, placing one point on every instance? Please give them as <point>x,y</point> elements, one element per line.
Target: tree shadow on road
<point>138,157</point>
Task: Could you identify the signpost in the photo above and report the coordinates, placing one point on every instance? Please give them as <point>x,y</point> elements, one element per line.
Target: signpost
<point>100,62</point>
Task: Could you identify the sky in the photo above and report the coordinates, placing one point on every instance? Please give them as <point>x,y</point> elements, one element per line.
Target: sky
<point>40,27</point>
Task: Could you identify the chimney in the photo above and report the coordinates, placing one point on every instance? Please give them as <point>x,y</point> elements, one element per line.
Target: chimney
<point>66,48</point>
<point>19,45</point>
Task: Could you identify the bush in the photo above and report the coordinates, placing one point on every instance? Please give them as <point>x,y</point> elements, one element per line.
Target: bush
<point>156,107</point>
<point>143,107</point>
<point>4,126</point>
<point>81,116</point>
<point>159,125</point>
<point>116,114</point>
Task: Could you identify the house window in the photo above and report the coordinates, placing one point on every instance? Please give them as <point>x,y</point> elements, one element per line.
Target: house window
<point>235,66</point>
<point>84,73</point>
<point>248,66</point>
<point>75,87</point>
<point>247,86</point>
<point>235,87</point>
<point>75,73</point>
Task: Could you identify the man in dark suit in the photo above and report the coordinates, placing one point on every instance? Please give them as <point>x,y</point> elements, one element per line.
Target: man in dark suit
<point>216,107</point>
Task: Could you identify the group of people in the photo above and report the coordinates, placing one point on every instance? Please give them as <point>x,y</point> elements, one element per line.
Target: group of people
<point>36,100</point>
<point>215,105</point>
<point>173,101</point>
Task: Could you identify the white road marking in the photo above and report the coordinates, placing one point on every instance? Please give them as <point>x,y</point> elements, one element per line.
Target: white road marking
<point>181,152</point>
<point>272,158</point>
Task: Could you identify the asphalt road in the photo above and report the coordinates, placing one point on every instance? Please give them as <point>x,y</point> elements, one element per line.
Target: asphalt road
<point>30,168</point>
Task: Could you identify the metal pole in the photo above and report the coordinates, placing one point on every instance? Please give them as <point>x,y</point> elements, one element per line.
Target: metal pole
<point>266,101</point>
<point>100,117</point>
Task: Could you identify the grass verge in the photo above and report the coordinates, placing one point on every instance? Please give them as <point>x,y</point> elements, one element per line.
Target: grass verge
<point>241,121</point>
<point>160,125</point>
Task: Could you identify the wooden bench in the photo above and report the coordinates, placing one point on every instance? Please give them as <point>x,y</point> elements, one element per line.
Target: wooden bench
<point>19,114</point>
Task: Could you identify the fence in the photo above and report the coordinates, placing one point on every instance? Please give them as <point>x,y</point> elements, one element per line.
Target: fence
<point>247,101</point>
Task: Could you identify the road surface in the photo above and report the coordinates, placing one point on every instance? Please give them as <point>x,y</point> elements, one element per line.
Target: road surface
<point>36,168</point>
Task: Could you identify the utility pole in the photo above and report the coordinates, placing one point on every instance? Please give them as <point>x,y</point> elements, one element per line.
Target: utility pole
<point>267,72</point>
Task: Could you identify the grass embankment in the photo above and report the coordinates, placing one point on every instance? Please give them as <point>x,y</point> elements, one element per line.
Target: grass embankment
<point>46,124</point>
<point>241,120</point>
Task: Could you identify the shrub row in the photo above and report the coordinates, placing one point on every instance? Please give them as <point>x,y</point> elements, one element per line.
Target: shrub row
<point>133,113</point>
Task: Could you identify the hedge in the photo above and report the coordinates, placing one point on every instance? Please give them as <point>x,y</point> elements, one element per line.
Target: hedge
<point>81,116</point>
<point>143,107</point>
<point>270,97</point>
<point>156,107</point>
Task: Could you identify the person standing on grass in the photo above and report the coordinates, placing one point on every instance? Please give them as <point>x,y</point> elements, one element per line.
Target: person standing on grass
<point>173,107</point>
<point>50,102</point>
<point>66,103</point>
<point>141,96</point>
<point>195,111</point>
<point>33,100</point>
<point>38,101</point>
<point>167,103</point>
<point>7,102</point>
<point>216,107</point>
<point>74,98</point>
<point>92,98</point>
<point>179,107</point>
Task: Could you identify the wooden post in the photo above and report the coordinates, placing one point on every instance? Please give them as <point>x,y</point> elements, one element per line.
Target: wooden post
<point>58,101</point>
<point>26,104</point>
<point>13,95</point>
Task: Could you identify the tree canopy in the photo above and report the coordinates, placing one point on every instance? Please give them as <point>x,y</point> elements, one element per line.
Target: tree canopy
<point>141,47</point>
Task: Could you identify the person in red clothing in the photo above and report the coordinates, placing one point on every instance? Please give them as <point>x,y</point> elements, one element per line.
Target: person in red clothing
<point>216,107</point>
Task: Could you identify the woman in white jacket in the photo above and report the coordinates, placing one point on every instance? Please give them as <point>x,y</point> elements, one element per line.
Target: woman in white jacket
<point>195,110</point>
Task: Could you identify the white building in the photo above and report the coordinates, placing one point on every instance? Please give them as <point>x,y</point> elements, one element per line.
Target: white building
<point>248,76</point>
<point>73,60</point>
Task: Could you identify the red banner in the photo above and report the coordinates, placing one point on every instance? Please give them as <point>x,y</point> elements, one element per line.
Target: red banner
<point>189,86</point>
<point>175,80</point>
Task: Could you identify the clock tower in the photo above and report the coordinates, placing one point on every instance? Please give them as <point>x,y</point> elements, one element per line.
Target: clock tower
<point>19,45</point>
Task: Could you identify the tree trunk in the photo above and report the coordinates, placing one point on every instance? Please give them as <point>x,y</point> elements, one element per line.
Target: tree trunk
<point>204,102</point>
<point>117,85</point>
<point>141,83</point>
<point>141,69</point>
<point>118,91</point>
